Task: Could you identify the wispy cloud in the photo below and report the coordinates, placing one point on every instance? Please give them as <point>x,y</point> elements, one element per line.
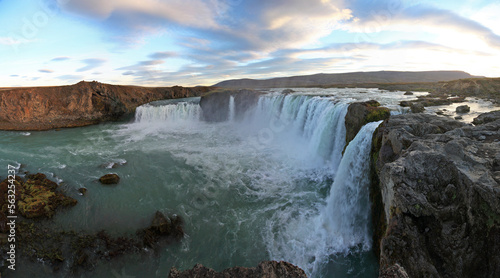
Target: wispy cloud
<point>59,59</point>
<point>162,55</point>
<point>46,70</point>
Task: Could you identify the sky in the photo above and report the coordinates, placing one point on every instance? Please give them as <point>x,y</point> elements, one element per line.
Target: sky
<point>202,42</point>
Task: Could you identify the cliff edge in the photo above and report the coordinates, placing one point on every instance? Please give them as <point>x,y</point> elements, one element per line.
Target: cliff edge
<point>436,197</point>
<point>84,103</point>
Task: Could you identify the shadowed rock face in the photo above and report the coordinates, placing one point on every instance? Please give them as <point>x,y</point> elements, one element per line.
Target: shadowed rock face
<point>85,103</point>
<point>267,269</point>
<point>215,105</point>
<point>437,200</point>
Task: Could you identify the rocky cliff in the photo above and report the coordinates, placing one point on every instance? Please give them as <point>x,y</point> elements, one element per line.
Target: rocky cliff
<point>361,113</point>
<point>215,105</point>
<point>267,269</point>
<point>436,197</point>
<point>85,103</point>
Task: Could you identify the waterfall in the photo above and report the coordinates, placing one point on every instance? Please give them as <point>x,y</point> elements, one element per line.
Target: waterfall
<point>181,111</point>
<point>346,217</point>
<point>231,109</point>
<point>309,238</point>
<point>318,120</point>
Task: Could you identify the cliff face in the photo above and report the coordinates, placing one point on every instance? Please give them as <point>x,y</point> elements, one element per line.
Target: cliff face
<point>85,103</point>
<point>436,196</point>
<point>215,105</point>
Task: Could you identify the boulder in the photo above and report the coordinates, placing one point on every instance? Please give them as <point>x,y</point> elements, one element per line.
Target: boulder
<point>417,107</point>
<point>436,197</point>
<point>266,269</point>
<point>361,113</point>
<point>408,93</point>
<point>463,109</point>
<point>487,118</point>
<point>109,179</point>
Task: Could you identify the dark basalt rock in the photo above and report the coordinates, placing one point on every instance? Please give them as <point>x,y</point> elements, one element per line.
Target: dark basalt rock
<point>417,107</point>
<point>162,227</point>
<point>109,179</point>
<point>436,197</point>
<point>463,109</point>
<point>361,113</point>
<point>215,105</point>
<point>266,269</point>
<point>487,118</point>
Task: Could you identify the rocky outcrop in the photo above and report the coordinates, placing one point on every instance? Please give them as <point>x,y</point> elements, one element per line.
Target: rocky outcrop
<point>487,118</point>
<point>85,103</point>
<point>361,113</point>
<point>267,269</point>
<point>36,197</point>
<point>436,197</point>
<point>215,105</point>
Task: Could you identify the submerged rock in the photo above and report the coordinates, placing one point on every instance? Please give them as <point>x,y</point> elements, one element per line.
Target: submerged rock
<point>266,269</point>
<point>109,179</point>
<point>436,198</point>
<point>162,226</point>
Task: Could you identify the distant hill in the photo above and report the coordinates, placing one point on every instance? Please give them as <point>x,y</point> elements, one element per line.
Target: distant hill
<point>323,79</point>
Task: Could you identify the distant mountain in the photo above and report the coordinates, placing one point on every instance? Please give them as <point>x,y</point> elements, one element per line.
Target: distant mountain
<point>347,78</point>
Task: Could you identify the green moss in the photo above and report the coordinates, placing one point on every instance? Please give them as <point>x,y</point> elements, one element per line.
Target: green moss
<point>380,113</point>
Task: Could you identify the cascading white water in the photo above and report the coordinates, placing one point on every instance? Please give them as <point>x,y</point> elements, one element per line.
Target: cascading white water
<point>309,238</point>
<point>318,120</point>
<point>231,109</point>
<point>333,224</point>
<point>182,111</point>
<point>347,214</point>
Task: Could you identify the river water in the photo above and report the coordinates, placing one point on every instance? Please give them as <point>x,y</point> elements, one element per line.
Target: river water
<point>271,185</point>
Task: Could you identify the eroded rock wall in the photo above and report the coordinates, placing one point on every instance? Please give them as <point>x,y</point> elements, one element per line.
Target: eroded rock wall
<point>438,187</point>
<point>85,103</point>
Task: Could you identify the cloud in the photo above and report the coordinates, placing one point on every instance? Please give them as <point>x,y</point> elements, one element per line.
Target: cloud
<point>91,64</point>
<point>58,59</point>
<point>46,70</point>
<point>162,55</point>
<point>14,75</point>
<point>384,15</point>
<point>193,13</point>
<point>142,65</point>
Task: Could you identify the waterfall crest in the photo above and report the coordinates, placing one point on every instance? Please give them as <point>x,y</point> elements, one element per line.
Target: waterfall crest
<point>182,111</point>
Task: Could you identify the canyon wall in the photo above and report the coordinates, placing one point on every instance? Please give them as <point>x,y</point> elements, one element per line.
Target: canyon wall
<point>85,103</point>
